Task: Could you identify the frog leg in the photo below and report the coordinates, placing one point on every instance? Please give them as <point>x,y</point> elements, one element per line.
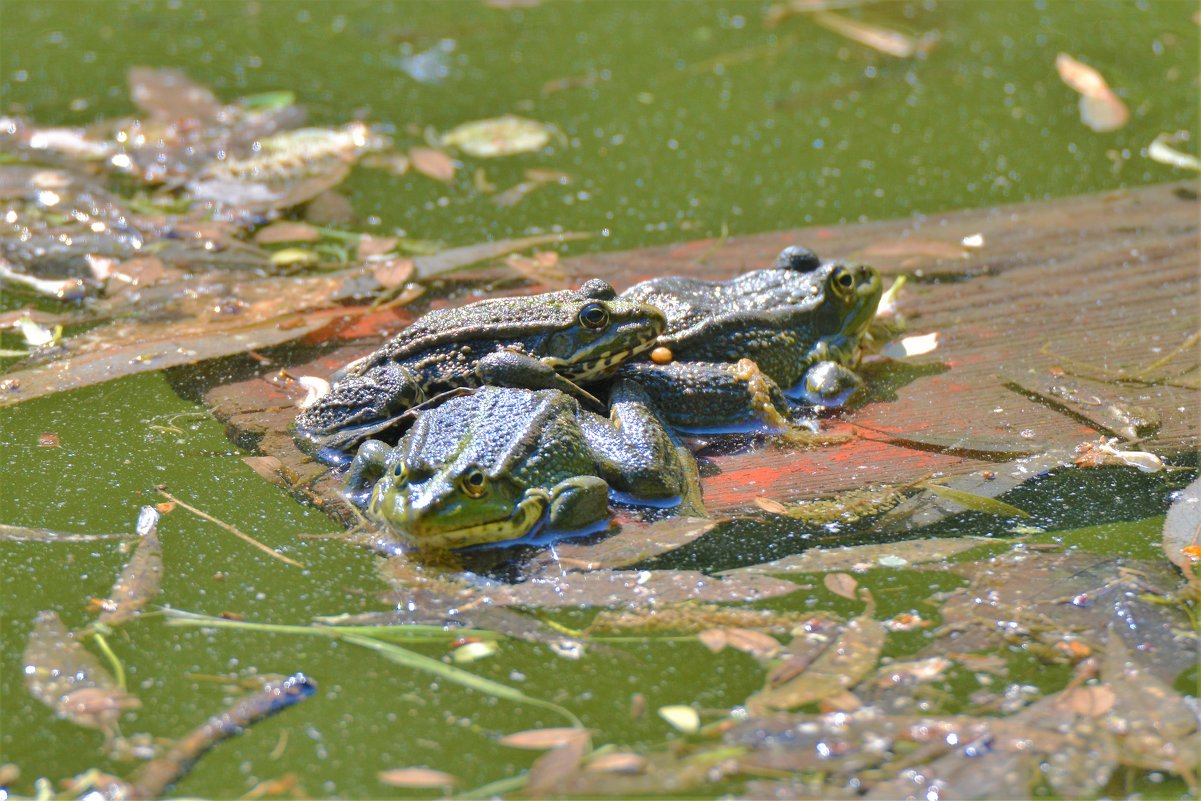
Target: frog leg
<point>577,503</point>
<point>354,409</point>
<point>713,397</point>
<point>638,454</point>
<point>830,384</point>
<point>510,368</point>
<point>369,466</point>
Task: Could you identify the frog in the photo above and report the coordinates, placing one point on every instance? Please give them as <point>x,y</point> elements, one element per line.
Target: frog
<point>555,340</point>
<point>503,464</point>
<point>735,353</point>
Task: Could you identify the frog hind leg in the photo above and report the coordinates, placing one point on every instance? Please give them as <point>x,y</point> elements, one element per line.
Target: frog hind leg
<point>639,454</point>
<point>713,397</point>
<point>356,408</point>
<point>509,368</point>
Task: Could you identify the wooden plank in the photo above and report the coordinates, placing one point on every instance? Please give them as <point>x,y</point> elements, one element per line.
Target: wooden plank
<point>1060,298</point>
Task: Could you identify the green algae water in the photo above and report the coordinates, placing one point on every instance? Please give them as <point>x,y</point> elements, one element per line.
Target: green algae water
<point>679,121</point>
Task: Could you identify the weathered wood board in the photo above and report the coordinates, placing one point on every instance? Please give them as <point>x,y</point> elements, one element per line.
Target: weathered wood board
<point>1058,299</point>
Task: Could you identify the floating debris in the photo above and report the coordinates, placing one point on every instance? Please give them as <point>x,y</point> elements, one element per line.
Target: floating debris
<point>66,677</point>
<point>1100,108</point>
<point>231,529</point>
<point>1161,150</point>
<point>681,718</point>
<point>885,40</point>
<point>749,641</point>
<point>499,136</point>
<point>534,178</point>
<point>1104,453</point>
<point>540,739</point>
<point>1182,534</point>
<point>842,584</point>
<point>142,576</point>
<point>433,164</point>
<point>417,778</point>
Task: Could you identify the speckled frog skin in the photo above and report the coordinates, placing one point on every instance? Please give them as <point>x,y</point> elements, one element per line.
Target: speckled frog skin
<point>502,463</point>
<point>730,346</point>
<point>554,340</point>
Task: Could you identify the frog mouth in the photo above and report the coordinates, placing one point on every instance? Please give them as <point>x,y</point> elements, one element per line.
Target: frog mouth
<point>527,515</point>
<point>602,365</point>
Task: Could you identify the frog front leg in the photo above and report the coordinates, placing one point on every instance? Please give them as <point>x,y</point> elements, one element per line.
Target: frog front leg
<point>510,368</point>
<point>713,397</point>
<point>639,454</point>
<point>577,503</point>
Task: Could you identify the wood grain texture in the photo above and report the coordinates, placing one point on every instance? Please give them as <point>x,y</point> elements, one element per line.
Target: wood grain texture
<point>1062,298</point>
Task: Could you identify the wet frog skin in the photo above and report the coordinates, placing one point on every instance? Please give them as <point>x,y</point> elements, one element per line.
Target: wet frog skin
<point>730,346</point>
<point>554,340</point>
<point>503,463</point>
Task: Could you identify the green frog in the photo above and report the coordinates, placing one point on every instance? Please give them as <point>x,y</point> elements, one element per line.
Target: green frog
<point>556,340</point>
<point>503,463</point>
<point>734,350</point>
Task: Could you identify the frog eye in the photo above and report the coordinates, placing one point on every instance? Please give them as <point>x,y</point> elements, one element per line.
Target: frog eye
<point>843,279</point>
<point>474,482</point>
<point>594,315</point>
<point>402,472</point>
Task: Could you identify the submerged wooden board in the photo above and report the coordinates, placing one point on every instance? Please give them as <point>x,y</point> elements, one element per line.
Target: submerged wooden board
<point>1058,299</point>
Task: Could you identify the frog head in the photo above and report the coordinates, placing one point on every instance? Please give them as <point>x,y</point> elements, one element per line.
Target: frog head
<point>851,293</point>
<point>599,331</point>
<point>456,506</point>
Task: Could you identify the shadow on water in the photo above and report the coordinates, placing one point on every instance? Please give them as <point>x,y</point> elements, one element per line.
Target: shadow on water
<point>1058,501</point>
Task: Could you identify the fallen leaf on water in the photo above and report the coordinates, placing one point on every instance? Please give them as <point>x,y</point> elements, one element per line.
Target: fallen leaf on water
<point>393,272</point>
<point>749,641</point>
<point>541,739</point>
<point>1104,452</point>
<point>280,232</point>
<point>769,505</point>
<point>840,666</point>
<point>1182,533</point>
<point>617,762</point>
<point>1161,150</point>
<point>557,765</point>
<point>974,502</point>
<point>893,43</point>
<point>170,96</point>
<point>433,163</point>
<point>48,439</point>
<point>542,267</point>
<point>1100,108</point>
<point>66,677</point>
<point>681,718</point>
<point>633,544</point>
<point>142,576</point>
<point>375,245</point>
<point>841,584</point>
<point>395,163</point>
<point>416,778</point>
<point>534,179</point>
<point>500,136</point>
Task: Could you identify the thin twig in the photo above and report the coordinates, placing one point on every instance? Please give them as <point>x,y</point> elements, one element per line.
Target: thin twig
<point>232,530</point>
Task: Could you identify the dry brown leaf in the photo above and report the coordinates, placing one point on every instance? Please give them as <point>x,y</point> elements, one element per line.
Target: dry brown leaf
<point>393,272</point>
<point>1091,702</point>
<point>842,584</point>
<point>541,739</point>
<point>279,232</point>
<point>375,245</point>
<point>768,505</point>
<point>713,639</point>
<point>885,40</point>
<point>433,163</point>
<point>618,762</point>
<point>416,778</point>
<point>752,642</point>
<point>1100,108</point>
<point>556,765</point>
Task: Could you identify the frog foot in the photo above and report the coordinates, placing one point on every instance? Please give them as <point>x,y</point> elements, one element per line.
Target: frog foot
<point>761,390</point>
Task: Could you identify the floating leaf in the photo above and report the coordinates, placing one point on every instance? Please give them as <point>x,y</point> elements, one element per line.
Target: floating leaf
<point>1161,150</point>
<point>893,43</point>
<point>552,768</point>
<point>433,164</point>
<point>1100,108</point>
<point>142,576</point>
<point>841,584</point>
<point>393,273</point>
<point>974,502</point>
<point>618,762</point>
<point>61,674</point>
<point>1182,532</point>
<point>541,739</point>
<point>840,666</point>
<point>681,718</point>
<point>170,96</point>
<point>500,136</point>
<point>280,232</point>
<point>417,778</point>
<point>633,544</point>
<point>749,641</point>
